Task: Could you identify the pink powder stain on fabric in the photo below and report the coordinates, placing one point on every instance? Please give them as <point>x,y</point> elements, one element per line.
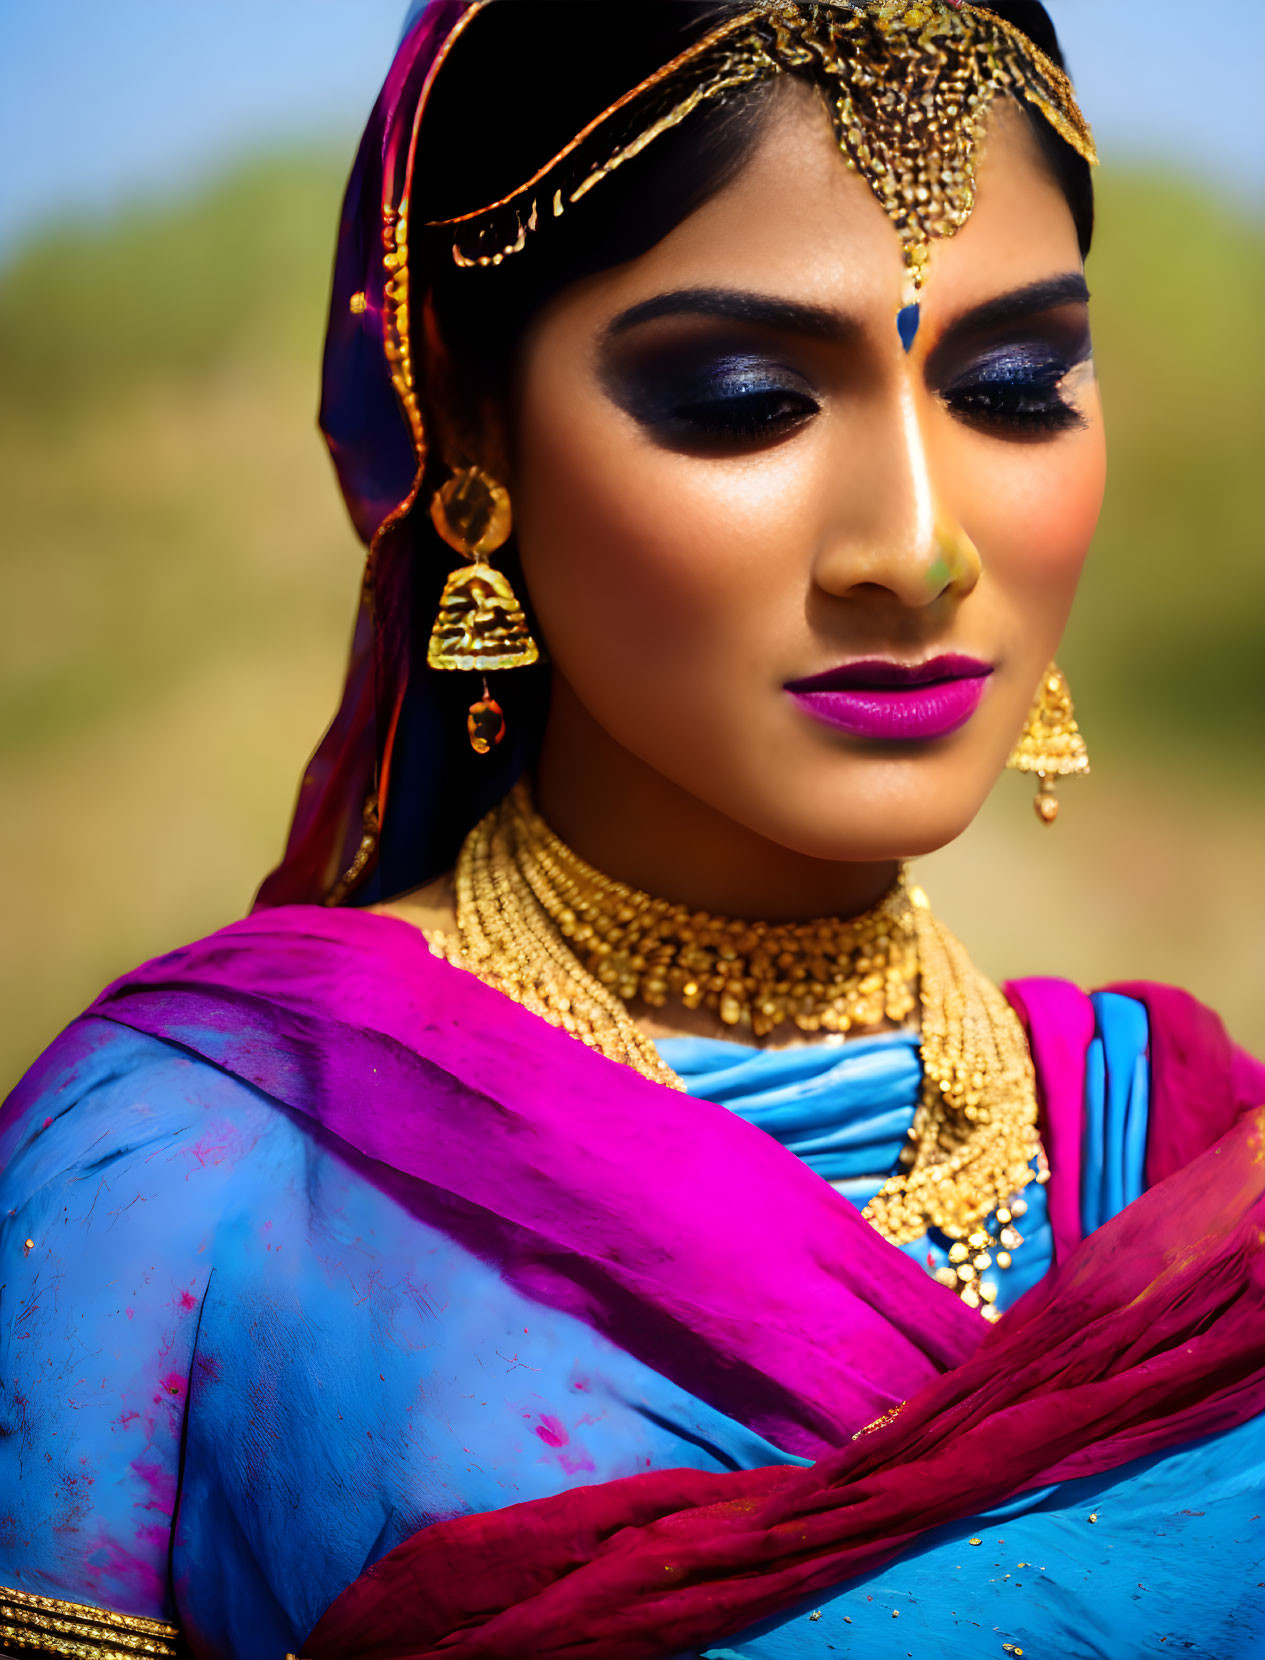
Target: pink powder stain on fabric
<point>46,1123</point>
<point>173,1384</point>
<point>577,1464</point>
<point>160,1483</point>
<point>141,1579</point>
<point>551,1432</point>
<point>187,1300</point>
<point>129,1312</point>
<point>221,1141</point>
<point>126,1418</point>
<point>153,1537</point>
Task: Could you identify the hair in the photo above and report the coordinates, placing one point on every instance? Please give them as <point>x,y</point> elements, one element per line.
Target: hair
<point>520,82</point>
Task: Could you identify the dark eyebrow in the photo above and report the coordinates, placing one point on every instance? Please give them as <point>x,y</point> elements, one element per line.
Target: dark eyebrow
<point>737,306</point>
<point>1044,295</point>
<point>821,323</point>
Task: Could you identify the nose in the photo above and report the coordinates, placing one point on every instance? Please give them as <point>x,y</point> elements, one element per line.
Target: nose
<point>892,533</point>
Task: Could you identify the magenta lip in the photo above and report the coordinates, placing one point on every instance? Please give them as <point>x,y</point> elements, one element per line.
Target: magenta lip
<point>890,701</point>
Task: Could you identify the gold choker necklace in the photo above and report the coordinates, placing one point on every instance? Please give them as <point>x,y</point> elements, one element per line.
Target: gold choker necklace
<point>575,947</point>
<point>826,975</point>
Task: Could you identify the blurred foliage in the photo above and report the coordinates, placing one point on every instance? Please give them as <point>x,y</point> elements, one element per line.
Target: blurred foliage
<point>1167,645</point>
<point>178,582</point>
<point>86,316</point>
<point>157,322</point>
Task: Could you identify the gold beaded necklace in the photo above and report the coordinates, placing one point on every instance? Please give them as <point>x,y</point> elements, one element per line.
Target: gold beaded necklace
<point>576,947</point>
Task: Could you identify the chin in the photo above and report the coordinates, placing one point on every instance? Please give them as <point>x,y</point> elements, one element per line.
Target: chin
<point>864,824</point>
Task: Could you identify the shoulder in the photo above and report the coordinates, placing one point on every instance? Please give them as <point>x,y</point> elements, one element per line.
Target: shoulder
<point>231,1049</point>
<point>129,1173</point>
<point>107,1099</point>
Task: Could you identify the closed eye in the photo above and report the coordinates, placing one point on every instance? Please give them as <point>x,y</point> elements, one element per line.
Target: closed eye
<point>713,401</point>
<point>1016,391</point>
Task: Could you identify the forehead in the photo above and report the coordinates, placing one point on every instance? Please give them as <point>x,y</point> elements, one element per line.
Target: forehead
<point>798,223</point>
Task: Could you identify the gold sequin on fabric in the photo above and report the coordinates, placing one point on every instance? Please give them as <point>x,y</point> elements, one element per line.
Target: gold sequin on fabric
<point>542,926</point>
<point>908,84</point>
<point>47,1625</point>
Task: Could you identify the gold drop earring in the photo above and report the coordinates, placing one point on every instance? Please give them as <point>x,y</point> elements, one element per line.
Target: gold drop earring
<point>480,624</point>
<point>1050,744</point>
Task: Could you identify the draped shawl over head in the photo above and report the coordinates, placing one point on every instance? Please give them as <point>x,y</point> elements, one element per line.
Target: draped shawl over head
<point>378,446</point>
<point>393,786</point>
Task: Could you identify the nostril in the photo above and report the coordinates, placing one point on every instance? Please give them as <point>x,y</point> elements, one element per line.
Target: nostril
<point>955,563</point>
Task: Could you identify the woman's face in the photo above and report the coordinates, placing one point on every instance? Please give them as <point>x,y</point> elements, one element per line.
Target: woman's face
<point>730,478</point>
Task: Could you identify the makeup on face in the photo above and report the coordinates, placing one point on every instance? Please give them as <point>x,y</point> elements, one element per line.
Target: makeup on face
<point>714,371</point>
<point>714,393</point>
<point>892,702</point>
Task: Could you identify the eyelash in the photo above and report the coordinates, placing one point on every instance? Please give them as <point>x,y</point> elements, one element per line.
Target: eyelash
<point>1027,402</point>
<point>761,412</point>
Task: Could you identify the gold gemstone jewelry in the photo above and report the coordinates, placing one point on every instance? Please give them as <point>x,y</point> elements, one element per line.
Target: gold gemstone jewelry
<point>826,975</point>
<point>974,1136</point>
<point>480,624</point>
<point>1050,745</point>
<point>576,947</point>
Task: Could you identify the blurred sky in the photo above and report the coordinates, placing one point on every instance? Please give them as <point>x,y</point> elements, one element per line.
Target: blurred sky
<point>106,101</point>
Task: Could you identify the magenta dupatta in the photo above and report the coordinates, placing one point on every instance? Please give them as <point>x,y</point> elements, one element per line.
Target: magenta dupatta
<point>715,1256</point>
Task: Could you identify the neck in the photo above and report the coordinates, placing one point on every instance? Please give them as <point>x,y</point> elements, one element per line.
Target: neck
<point>638,826</point>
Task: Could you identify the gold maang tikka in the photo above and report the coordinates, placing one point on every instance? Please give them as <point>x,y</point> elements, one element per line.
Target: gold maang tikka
<point>480,625</point>
<point>1050,745</point>
<point>908,85</point>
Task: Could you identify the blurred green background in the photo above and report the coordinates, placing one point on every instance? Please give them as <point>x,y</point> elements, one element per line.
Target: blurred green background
<point>178,579</point>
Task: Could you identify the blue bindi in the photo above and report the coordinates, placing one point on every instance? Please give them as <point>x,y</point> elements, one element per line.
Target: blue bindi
<point>907,321</point>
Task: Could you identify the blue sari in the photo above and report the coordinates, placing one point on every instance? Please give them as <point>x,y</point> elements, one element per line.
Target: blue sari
<point>229,1326</point>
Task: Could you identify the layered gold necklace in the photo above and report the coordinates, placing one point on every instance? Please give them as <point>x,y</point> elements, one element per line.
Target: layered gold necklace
<point>577,948</point>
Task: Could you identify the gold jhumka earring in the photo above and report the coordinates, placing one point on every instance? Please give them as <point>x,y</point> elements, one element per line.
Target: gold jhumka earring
<point>480,625</point>
<point>1050,744</point>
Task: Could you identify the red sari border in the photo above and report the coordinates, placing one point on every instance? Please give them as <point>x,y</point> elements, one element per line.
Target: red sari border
<point>1147,1336</point>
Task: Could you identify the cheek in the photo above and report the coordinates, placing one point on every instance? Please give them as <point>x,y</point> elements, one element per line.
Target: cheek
<point>1033,511</point>
<point>634,554</point>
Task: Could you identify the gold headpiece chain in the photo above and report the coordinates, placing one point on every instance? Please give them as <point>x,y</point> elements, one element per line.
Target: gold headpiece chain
<point>575,947</point>
<point>908,85</point>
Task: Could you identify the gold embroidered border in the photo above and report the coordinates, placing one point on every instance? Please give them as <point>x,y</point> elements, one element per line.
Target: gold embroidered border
<point>47,1625</point>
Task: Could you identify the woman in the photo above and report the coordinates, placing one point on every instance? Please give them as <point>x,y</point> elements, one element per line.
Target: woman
<point>591,1207</point>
